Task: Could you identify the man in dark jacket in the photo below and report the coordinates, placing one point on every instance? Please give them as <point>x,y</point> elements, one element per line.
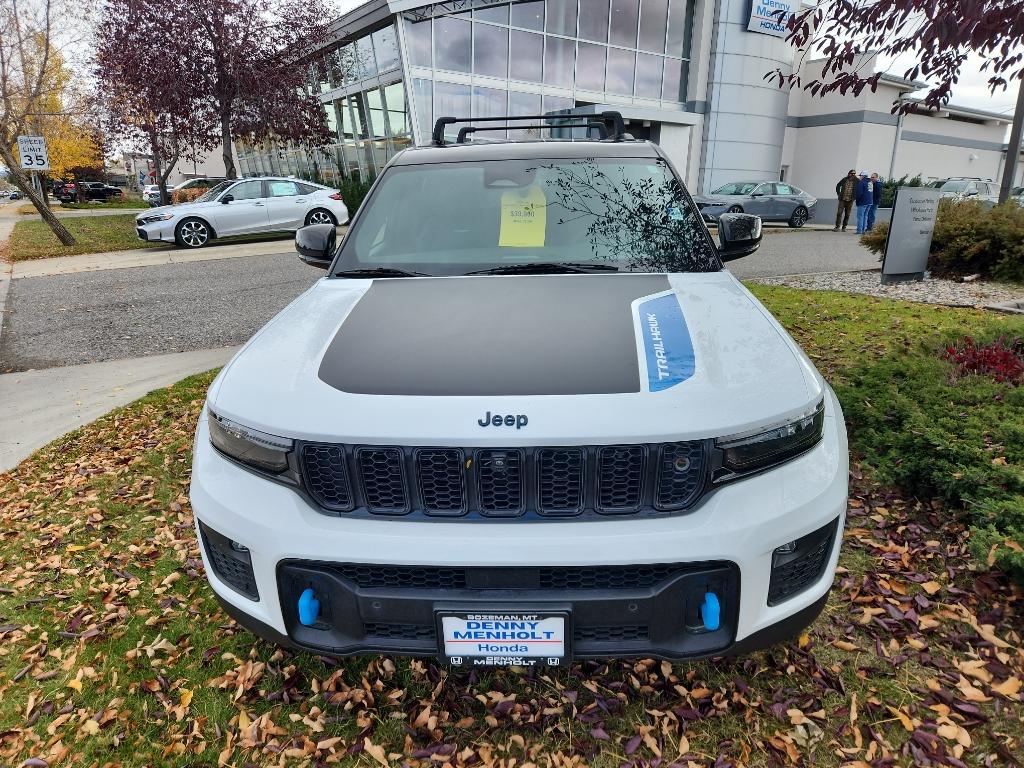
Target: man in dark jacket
<point>876,198</point>
<point>846,191</point>
<point>864,197</point>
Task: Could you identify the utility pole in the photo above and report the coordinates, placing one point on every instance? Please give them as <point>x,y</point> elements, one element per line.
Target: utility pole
<point>1013,149</point>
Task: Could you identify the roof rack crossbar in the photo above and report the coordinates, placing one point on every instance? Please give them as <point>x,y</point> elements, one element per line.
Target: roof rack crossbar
<point>617,132</point>
<point>470,129</point>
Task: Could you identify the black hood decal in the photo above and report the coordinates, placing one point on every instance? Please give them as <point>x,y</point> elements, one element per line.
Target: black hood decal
<point>491,336</point>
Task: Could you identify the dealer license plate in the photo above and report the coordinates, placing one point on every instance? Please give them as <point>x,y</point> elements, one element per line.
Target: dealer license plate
<point>504,639</point>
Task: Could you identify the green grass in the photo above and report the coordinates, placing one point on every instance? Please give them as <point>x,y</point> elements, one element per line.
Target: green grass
<point>98,558</point>
<point>129,202</point>
<point>96,234</point>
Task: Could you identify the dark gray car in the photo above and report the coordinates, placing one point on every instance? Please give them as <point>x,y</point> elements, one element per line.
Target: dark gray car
<point>771,200</point>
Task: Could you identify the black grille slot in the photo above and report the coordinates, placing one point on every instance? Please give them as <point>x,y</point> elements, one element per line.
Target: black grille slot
<point>680,475</point>
<point>499,475</point>
<point>610,634</point>
<point>440,474</point>
<point>382,473</point>
<point>560,481</point>
<point>793,573</point>
<point>608,577</point>
<point>380,631</point>
<point>411,577</point>
<point>620,478</point>
<point>326,476</point>
<point>231,566</point>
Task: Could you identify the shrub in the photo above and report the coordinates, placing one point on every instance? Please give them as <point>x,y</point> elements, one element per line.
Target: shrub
<point>354,191</point>
<point>187,195</point>
<point>968,240</point>
<point>889,188</point>
<point>1002,360</point>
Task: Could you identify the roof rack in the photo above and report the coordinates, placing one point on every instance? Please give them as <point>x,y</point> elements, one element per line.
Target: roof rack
<point>601,122</point>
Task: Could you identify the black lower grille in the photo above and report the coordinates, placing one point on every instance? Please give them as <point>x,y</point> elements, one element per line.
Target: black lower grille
<point>575,481</point>
<point>610,634</point>
<point>547,577</point>
<point>381,631</point>
<point>232,566</point>
<point>794,572</point>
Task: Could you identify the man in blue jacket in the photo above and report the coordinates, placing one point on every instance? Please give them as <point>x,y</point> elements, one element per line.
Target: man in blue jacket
<point>876,198</point>
<point>864,197</point>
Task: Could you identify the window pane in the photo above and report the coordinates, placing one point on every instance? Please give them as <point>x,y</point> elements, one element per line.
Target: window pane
<point>490,102</point>
<point>417,35</point>
<point>394,96</point>
<point>247,190</point>
<point>620,71</point>
<point>675,80</point>
<point>562,17</point>
<point>452,100</point>
<point>490,50</point>
<point>557,103</point>
<point>332,121</point>
<point>527,56</point>
<point>524,104</point>
<point>528,15</point>
<point>495,13</point>
<point>558,61</point>
<point>624,18</point>
<point>452,44</point>
<point>364,50</point>
<point>648,76</point>
<point>283,188</point>
<point>424,107</point>
<point>386,48</point>
<point>590,67</point>
<point>680,14</point>
<point>652,25</point>
<point>594,20</point>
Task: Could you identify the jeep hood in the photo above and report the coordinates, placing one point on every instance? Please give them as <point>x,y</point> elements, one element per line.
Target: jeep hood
<point>585,358</point>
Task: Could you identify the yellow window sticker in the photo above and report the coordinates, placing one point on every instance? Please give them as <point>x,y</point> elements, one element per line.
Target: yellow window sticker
<point>523,218</point>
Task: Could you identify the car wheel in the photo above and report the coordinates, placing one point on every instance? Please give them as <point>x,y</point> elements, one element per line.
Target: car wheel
<point>192,233</point>
<point>799,217</point>
<point>735,209</point>
<point>320,216</point>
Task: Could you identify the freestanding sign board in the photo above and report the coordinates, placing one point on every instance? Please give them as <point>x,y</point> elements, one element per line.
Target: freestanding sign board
<point>34,156</point>
<point>910,234</point>
<point>770,17</point>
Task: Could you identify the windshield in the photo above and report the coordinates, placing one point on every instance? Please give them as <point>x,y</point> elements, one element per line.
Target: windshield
<point>737,188</point>
<point>213,192</point>
<point>954,186</point>
<point>455,218</point>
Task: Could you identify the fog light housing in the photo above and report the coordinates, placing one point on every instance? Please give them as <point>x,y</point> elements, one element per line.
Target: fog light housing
<point>786,549</point>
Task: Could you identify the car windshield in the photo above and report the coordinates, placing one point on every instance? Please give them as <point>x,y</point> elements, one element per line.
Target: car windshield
<point>213,192</point>
<point>736,188</point>
<point>592,213</point>
<point>955,185</point>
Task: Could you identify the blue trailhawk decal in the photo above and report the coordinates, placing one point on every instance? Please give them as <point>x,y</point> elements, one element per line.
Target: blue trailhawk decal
<point>669,351</point>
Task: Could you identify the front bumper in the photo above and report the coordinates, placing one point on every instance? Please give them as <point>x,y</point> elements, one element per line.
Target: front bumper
<point>156,231</point>
<point>725,545</point>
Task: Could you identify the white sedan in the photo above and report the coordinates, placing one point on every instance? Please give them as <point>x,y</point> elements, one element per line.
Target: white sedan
<point>243,207</point>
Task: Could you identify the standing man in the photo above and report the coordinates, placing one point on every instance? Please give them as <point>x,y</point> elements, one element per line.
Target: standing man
<point>876,198</point>
<point>846,191</point>
<point>865,195</point>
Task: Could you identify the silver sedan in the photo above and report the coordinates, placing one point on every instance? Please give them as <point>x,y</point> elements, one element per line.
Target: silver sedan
<point>771,200</point>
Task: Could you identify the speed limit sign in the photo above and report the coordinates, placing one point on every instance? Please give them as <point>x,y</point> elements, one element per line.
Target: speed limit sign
<point>34,156</point>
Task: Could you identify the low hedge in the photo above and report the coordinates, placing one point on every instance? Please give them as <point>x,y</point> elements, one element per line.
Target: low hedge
<point>970,240</point>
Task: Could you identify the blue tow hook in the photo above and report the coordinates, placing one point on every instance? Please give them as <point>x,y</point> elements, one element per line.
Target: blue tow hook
<point>309,608</point>
<point>710,611</point>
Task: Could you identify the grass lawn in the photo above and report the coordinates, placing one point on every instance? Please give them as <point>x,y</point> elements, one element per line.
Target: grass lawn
<point>129,202</point>
<point>96,234</point>
<point>113,650</point>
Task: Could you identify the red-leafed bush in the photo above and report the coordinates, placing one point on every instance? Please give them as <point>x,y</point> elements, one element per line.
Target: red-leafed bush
<point>1001,359</point>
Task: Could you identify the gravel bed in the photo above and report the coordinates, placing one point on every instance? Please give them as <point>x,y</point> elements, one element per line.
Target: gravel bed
<point>931,291</point>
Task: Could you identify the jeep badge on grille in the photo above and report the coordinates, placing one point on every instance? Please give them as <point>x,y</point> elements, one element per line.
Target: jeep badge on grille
<point>518,420</point>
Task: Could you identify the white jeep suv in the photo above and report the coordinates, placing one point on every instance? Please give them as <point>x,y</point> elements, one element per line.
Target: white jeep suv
<point>526,417</point>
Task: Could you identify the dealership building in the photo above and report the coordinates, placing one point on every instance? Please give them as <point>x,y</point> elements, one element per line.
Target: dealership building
<point>687,74</point>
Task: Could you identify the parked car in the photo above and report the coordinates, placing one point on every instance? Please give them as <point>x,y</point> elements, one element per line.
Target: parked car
<point>985,192</point>
<point>241,207</point>
<point>771,200</point>
<point>15,194</point>
<point>151,195</point>
<point>526,416</point>
<point>90,190</point>
<point>204,183</point>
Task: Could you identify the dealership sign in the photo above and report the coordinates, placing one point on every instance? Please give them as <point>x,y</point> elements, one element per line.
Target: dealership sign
<point>909,240</point>
<point>770,17</point>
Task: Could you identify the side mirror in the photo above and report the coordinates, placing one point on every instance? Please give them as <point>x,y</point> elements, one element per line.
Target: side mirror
<point>315,244</point>
<point>739,235</point>
<point>227,199</point>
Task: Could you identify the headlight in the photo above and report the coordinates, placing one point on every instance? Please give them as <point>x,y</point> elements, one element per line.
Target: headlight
<point>158,217</point>
<point>268,453</point>
<point>749,453</point>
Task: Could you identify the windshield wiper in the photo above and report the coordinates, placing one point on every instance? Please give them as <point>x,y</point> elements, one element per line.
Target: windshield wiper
<point>379,272</point>
<point>542,267</point>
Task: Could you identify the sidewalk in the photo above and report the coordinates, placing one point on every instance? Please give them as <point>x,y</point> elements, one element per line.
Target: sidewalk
<point>39,406</point>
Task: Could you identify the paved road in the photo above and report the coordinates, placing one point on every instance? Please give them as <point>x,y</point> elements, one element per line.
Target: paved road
<point>81,318</point>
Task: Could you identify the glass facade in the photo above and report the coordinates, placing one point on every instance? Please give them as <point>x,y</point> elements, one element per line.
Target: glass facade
<point>530,57</point>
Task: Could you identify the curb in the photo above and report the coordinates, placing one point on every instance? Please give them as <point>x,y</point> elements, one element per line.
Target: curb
<point>6,273</point>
